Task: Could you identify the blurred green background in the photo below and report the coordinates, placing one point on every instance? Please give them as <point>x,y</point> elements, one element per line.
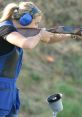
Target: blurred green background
<point>53,68</point>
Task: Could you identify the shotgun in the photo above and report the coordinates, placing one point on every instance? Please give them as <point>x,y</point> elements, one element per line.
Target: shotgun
<point>73,30</point>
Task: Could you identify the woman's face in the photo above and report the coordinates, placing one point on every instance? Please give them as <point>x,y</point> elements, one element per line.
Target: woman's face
<point>35,22</point>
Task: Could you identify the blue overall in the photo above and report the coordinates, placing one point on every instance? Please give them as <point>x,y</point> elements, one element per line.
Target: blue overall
<point>10,66</point>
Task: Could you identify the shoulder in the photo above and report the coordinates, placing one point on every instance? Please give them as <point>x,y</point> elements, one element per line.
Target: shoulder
<point>6,29</point>
<point>7,24</point>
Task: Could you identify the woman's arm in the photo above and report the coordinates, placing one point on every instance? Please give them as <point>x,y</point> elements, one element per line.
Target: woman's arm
<point>19,40</point>
<point>59,37</point>
<point>55,37</point>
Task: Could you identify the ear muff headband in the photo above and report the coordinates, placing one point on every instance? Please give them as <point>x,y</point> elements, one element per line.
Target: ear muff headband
<point>24,19</point>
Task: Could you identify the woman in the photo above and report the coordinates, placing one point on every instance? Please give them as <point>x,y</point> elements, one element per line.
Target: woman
<point>12,44</point>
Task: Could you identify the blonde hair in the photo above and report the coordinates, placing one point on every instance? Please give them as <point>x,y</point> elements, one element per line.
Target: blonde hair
<point>8,12</point>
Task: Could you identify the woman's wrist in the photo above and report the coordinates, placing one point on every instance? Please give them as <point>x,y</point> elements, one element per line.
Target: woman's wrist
<point>40,35</point>
<point>45,36</point>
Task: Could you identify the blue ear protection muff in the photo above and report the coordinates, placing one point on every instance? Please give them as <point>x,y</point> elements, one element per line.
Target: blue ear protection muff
<point>25,19</point>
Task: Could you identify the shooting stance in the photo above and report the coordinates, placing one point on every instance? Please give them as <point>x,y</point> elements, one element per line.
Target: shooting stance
<point>12,43</point>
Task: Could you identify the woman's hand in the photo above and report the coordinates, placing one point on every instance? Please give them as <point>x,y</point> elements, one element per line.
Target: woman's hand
<point>45,35</point>
<point>77,37</point>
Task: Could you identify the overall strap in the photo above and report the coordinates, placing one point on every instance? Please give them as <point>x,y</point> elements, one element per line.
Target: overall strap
<point>5,23</point>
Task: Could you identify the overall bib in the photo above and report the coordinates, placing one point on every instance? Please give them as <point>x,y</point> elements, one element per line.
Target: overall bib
<point>10,66</point>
